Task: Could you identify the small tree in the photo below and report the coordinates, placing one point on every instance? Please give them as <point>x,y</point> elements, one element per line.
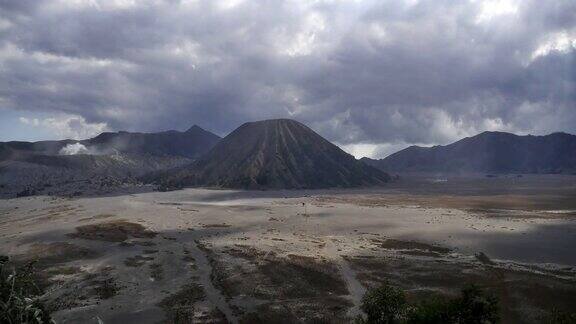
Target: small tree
<point>474,306</point>
<point>384,305</point>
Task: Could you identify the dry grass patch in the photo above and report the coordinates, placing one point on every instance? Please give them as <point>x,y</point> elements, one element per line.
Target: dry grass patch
<point>295,288</point>
<point>115,231</point>
<point>156,271</point>
<point>392,244</point>
<point>179,307</point>
<point>63,271</point>
<point>96,217</point>
<point>137,261</point>
<point>105,288</point>
<point>47,254</point>
<point>223,225</point>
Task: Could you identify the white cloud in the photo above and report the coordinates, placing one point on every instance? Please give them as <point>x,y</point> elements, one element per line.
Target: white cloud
<point>375,151</point>
<point>30,121</point>
<point>305,40</point>
<point>364,71</point>
<point>490,9</point>
<point>360,150</point>
<point>100,4</point>
<point>67,126</point>
<point>561,42</point>
<point>229,4</point>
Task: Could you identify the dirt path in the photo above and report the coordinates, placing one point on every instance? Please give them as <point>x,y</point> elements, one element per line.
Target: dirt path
<point>212,293</point>
<point>204,271</point>
<point>355,288</point>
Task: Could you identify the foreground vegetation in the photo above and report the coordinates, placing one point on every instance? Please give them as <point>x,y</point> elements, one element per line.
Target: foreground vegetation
<point>388,305</point>
<point>19,302</point>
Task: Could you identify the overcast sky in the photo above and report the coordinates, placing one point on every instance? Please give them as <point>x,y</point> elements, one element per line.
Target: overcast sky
<point>372,76</point>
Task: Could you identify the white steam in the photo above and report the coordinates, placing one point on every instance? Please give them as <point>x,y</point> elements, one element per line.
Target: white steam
<point>73,149</point>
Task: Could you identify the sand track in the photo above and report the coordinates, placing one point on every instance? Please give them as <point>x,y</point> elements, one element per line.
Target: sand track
<point>205,279</point>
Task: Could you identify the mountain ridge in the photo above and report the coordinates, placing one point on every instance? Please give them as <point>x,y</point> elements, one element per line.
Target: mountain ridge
<point>488,152</point>
<point>105,162</point>
<point>191,143</point>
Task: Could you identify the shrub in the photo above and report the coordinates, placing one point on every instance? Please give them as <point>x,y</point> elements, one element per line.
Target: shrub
<point>434,311</point>
<point>19,302</point>
<point>384,305</point>
<point>474,306</point>
<point>387,305</point>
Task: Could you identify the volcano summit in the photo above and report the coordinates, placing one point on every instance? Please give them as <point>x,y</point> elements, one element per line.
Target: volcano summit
<point>275,154</point>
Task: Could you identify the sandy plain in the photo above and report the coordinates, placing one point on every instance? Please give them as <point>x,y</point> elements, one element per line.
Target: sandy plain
<point>217,256</point>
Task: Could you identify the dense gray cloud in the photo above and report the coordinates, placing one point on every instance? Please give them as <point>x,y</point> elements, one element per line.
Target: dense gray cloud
<point>375,74</point>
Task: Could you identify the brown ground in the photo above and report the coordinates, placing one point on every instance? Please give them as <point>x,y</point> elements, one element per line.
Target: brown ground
<point>393,244</point>
<point>476,193</point>
<point>48,254</point>
<point>485,203</point>
<point>291,287</point>
<point>179,307</point>
<point>114,231</point>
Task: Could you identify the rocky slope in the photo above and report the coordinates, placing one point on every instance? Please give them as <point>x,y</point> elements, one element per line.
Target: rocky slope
<point>488,152</point>
<point>190,144</point>
<point>95,165</point>
<point>274,154</point>
<point>78,174</point>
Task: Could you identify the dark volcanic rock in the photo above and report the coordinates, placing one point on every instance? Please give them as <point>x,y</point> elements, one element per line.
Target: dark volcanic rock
<point>489,152</point>
<point>278,153</point>
<point>191,144</point>
<point>102,163</point>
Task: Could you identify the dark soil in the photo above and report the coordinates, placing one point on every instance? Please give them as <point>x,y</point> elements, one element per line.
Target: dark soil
<point>99,216</point>
<point>179,307</point>
<point>115,231</point>
<point>393,244</point>
<point>299,289</point>
<point>137,261</point>
<point>156,271</point>
<point>105,288</point>
<point>325,310</point>
<point>421,253</point>
<point>215,225</point>
<point>48,254</point>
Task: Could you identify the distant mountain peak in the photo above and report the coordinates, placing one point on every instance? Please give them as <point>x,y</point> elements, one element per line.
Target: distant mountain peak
<point>275,120</point>
<point>275,154</point>
<point>489,152</point>
<point>195,128</point>
<point>190,144</point>
<point>497,133</point>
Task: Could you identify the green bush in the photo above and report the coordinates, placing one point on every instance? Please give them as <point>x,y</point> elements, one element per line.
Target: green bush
<point>385,304</point>
<point>474,306</point>
<point>19,302</point>
<point>434,311</point>
<point>388,305</point>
